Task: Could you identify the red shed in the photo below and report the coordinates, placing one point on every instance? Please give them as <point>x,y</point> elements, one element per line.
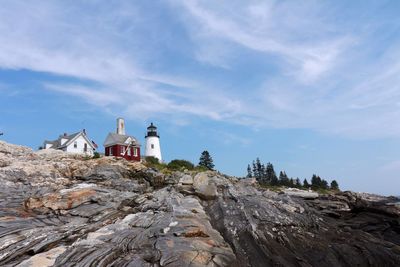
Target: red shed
<point>121,145</point>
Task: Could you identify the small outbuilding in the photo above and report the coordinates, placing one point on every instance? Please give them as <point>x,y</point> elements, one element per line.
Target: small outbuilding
<point>121,145</point>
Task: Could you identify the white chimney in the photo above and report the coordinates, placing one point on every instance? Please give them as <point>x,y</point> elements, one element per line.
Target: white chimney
<point>120,126</point>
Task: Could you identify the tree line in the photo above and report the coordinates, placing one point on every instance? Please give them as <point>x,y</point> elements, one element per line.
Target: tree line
<point>266,175</point>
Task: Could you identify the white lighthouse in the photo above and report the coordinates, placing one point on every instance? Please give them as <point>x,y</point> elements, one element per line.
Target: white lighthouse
<point>153,148</point>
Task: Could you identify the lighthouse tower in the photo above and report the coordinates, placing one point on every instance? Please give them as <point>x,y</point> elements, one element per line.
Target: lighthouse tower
<point>153,148</point>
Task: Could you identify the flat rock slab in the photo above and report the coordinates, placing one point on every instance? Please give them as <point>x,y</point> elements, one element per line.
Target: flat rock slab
<point>45,259</point>
<point>301,193</point>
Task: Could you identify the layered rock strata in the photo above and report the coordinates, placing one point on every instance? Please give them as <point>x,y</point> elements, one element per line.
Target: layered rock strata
<point>63,210</point>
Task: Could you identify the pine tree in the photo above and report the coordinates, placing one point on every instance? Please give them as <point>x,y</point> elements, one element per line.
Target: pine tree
<point>206,160</point>
<point>334,185</point>
<point>259,169</point>
<point>306,184</point>
<point>315,182</point>
<point>255,173</point>
<point>324,184</point>
<point>271,175</point>
<point>249,172</point>
<point>283,179</point>
<point>297,183</point>
<point>262,171</point>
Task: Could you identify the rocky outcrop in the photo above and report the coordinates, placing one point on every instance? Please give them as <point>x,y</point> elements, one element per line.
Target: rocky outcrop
<point>204,186</point>
<point>63,210</point>
<point>301,193</point>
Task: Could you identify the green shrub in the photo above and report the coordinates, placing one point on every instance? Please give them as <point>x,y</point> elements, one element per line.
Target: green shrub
<point>180,165</point>
<point>152,160</point>
<point>96,155</point>
<point>199,168</point>
<point>87,157</point>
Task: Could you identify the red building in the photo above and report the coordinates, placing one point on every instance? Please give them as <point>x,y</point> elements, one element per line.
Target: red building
<point>121,145</point>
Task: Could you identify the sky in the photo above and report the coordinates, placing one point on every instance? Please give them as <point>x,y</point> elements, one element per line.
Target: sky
<point>310,86</point>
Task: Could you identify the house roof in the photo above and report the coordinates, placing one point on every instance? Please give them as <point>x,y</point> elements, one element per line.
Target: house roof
<point>120,139</point>
<point>70,138</point>
<point>54,143</point>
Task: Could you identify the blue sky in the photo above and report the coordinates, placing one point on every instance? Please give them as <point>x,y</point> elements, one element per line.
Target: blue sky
<point>311,86</point>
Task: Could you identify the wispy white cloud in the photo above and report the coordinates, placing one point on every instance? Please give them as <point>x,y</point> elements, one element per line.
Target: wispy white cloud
<point>327,78</point>
<point>321,72</point>
<point>54,42</point>
<point>262,27</point>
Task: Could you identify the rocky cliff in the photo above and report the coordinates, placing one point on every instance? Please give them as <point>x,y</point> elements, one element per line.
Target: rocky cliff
<point>63,210</point>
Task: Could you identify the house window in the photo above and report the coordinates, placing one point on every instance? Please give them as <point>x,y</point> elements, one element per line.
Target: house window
<point>129,151</point>
<point>152,146</point>
<point>135,152</point>
<point>85,147</point>
<point>122,150</point>
<point>110,151</point>
<point>75,144</point>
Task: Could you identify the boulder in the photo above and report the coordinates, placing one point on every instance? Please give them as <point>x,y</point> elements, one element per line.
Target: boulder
<point>186,179</point>
<point>203,187</point>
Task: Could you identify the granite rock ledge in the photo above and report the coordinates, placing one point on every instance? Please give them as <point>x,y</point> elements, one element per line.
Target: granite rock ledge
<point>58,209</point>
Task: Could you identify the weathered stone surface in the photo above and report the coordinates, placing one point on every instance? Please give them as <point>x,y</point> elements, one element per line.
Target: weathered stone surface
<point>301,193</point>
<point>186,180</point>
<point>61,201</point>
<point>204,186</point>
<point>64,210</point>
<point>44,259</point>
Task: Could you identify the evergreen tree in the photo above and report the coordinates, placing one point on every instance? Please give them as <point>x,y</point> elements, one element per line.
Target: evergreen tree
<point>283,179</point>
<point>306,184</point>
<point>315,182</point>
<point>255,173</point>
<point>255,170</point>
<point>249,173</point>
<point>265,174</point>
<point>262,171</point>
<point>297,183</point>
<point>206,160</point>
<point>324,184</point>
<point>259,170</point>
<point>334,185</point>
<point>271,175</point>
<point>274,180</point>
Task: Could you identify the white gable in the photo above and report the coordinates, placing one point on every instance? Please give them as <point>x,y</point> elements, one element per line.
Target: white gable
<point>80,144</point>
<point>47,146</point>
<point>63,141</point>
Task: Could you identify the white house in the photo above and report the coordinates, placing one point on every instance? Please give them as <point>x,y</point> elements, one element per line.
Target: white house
<point>73,143</point>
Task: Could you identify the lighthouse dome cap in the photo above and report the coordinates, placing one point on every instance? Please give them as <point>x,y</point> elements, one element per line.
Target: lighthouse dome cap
<point>151,126</point>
